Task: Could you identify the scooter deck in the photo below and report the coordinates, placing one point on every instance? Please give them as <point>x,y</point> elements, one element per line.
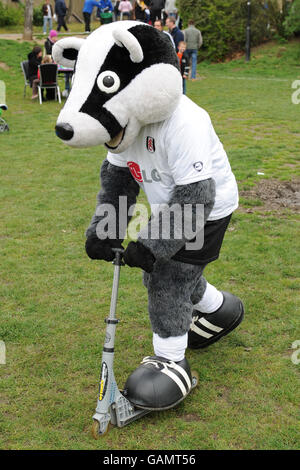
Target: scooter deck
<point>120,413</point>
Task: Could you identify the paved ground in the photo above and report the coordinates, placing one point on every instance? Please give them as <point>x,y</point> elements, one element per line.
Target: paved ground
<point>11,36</point>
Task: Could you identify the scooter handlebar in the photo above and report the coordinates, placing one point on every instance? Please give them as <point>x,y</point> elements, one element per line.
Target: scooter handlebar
<point>118,250</point>
<point>118,256</point>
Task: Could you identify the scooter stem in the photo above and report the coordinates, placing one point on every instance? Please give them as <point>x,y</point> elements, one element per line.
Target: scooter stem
<point>114,294</point>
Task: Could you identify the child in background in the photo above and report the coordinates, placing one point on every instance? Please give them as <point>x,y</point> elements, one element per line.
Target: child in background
<point>47,59</point>
<point>50,41</point>
<point>184,64</point>
<point>50,94</point>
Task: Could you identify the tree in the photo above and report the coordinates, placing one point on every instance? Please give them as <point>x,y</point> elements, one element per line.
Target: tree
<point>70,10</point>
<point>28,20</point>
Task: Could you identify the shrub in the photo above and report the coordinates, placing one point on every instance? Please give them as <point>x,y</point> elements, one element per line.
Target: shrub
<point>10,16</point>
<point>276,16</point>
<point>37,17</point>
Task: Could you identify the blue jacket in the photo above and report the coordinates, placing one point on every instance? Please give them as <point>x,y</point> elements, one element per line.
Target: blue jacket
<point>89,5</point>
<point>177,36</point>
<point>104,4</point>
<point>60,8</point>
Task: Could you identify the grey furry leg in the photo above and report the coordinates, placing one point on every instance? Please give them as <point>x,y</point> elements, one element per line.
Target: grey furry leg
<point>199,290</point>
<point>170,287</point>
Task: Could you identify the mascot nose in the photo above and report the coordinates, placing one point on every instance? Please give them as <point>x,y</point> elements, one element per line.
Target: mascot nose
<point>64,131</point>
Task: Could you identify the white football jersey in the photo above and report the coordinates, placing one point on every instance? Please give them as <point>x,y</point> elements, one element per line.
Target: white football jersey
<point>181,150</point>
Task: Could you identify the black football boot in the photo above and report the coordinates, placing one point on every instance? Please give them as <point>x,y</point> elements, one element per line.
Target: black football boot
<point>207,328</point>
<point>159,384</point>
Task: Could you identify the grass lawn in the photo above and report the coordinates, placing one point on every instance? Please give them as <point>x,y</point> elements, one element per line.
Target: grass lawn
<point>54,300</point>
<point>38,30</point>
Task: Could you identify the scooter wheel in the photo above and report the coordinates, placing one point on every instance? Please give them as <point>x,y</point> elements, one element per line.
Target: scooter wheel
<point>195,378</point>
<point>96,430</point>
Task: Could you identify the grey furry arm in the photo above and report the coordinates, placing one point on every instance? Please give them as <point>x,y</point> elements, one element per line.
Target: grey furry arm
<point>115,182</point>
<point>202,192</point>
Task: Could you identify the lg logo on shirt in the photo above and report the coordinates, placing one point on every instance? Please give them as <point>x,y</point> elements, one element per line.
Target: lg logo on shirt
<point>140,175</point>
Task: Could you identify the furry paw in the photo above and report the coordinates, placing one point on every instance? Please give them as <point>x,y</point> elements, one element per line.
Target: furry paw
<point>101,249</point>
<point>137,255</point>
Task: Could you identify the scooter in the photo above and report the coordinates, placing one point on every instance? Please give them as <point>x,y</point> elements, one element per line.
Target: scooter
<point>113,408</point>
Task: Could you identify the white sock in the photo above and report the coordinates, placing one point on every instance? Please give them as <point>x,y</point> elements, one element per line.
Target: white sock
<point>172,348</point>
<point>211,300</point>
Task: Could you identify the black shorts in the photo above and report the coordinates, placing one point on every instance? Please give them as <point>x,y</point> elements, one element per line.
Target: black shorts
<point>214,231</point>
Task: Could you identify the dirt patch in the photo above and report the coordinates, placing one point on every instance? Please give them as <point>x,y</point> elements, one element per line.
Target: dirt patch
<point>275,194</point>
<point>191,417</point>
<point>281,51</point>
<point>4,66</point>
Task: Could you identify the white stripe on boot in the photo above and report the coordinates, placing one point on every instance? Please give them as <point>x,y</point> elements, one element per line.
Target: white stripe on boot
<point>172,348</point>
<point>211,300</point>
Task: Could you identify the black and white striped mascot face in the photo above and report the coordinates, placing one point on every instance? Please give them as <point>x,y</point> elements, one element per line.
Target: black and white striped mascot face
<point>126,76</point>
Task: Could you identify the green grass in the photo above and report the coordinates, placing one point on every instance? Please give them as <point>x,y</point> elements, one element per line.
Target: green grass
<point>54,300</point>
<point>38,30</point>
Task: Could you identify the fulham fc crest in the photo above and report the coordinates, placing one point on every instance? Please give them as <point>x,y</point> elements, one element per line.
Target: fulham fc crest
<point>150,144</point>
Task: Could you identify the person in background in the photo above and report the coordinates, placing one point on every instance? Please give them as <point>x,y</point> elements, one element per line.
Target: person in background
<point>175,32</point>
<point>106,6</point>
<point>167,21</point>
<point>156,7</point>
<point>50,93</point>
<point>116,13</point>
<point>50,41</point>
<point>105,11</point>
<point>141,11</point>
<point>47,16</point>
<point>193,39</point>
<point>170,8</point>
<point>125,8</point>
<point>184,64</point>
<point>34,60</point>
<point>158,24</point>
<point>61,10</point>
<point>87,12</point>
<point>47,59</point>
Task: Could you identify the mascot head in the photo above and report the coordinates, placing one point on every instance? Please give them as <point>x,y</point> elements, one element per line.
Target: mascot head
<point>126,76</point>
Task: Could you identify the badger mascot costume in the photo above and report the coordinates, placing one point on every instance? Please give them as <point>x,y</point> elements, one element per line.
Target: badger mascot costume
<point>127,96</point>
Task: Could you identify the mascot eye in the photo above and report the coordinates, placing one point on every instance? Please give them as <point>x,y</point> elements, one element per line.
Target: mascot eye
<point>108,82</point>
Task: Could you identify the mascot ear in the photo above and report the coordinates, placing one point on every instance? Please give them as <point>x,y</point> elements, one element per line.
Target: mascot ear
<point>65,51</point>
<point>126,39</point>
